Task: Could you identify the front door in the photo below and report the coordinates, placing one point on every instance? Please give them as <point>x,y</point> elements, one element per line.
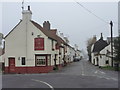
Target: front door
<point>11,65</point>
<point>97,61</point>
<point>55,60</point>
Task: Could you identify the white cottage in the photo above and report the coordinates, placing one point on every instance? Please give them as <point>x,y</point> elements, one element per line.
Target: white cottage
<point>31,48</point>
<point>101,53</point>
<point>71,53</point>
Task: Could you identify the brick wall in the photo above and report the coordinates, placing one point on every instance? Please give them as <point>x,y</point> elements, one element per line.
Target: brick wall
<point>22,70</point>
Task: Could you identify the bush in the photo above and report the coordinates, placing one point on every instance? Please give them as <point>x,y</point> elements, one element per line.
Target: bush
<point>55,67</point>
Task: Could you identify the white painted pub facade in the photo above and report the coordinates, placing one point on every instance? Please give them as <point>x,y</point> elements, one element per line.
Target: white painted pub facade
<point>30,48</point>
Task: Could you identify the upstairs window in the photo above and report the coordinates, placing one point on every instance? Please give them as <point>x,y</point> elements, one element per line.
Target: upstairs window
<point>57,46</point>
<point>52,45</point>
<point>39,44</point>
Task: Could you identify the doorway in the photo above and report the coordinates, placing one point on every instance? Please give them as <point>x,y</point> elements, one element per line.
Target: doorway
<point>11,65</point>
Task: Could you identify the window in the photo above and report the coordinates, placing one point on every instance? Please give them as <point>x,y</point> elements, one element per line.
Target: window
<point>59,51</point>
<point>52,45</point>
<point>100,56</point>
<point>107,62</point>
<point>39,44</point>
<point>55,59</point>
<point>57,46</point>
<point>41,60</point>
<point>23,60</point>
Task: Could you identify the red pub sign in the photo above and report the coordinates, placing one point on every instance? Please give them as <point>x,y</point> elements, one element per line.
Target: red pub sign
<point>39,43</point>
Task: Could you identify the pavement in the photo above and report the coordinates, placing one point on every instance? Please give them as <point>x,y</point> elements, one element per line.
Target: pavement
<point>80,74</point>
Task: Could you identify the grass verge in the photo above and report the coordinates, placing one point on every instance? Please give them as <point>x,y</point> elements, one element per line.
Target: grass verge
<point>111,68</point>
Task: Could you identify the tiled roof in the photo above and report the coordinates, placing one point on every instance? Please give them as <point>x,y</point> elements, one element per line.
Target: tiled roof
<point>50,33</point>
<point>53,31</point>
<point>99,45</point>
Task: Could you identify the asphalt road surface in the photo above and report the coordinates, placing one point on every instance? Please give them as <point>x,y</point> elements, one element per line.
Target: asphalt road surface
<point>80,74</point>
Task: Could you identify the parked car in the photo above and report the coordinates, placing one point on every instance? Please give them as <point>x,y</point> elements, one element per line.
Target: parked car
<point>76,59</point>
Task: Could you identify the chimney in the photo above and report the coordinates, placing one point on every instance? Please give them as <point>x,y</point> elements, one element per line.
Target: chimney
<point>46,25</point>
<point>94,39</point>
<point>101,36</point>
<point>26,14</point>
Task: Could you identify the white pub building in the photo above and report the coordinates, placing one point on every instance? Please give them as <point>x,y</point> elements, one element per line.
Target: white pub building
<point>31,48</point>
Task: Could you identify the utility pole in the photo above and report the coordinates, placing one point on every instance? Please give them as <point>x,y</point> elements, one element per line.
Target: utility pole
<point>111,25</point>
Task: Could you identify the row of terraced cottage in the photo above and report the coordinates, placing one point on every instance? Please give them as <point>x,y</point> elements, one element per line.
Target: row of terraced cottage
<point>31,48</point>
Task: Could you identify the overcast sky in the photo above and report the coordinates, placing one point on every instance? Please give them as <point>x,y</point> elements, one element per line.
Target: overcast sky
<point>67,17</point>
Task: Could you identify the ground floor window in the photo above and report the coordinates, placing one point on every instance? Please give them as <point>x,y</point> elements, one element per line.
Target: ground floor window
<point>40,60</point>
<point>23,60</point>
<point>107,62</point>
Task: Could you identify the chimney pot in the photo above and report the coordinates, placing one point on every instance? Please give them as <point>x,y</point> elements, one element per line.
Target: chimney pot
<point>46,25</point>
<point>29,8</point>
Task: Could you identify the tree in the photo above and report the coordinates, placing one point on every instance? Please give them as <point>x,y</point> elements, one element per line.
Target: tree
<point>117,49</point>
<point>90,42</point>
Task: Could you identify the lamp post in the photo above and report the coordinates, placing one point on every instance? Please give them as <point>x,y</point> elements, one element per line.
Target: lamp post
<point>111,25</point>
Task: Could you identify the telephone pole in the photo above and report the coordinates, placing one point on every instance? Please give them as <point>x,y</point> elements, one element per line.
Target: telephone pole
<point>111,26</point>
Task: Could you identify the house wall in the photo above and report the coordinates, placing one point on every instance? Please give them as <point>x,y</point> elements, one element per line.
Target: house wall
<point>20,43</point>
<point>47,44</point>
<point>102,60</point>
<point>72,54</point>
<point>15,44</point>
<point>96,60</point>
<point>92,58</point>
<point>67,54</point>
<point>92,55</point>
<point>62,54</point>
<point>102,57</point>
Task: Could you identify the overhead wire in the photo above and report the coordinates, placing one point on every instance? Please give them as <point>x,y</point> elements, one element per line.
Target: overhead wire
<point>91,12</point>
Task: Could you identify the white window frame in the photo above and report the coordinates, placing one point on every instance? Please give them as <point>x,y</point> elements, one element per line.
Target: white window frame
<point>40,60</point>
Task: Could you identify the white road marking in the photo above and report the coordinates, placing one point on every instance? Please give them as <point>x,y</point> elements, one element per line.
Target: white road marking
<point>44,83</point>
<point>83,73</point>
<point>107,78</point>
<point>96,71</point>
<point>100,72</point>
<point>114,79</point>
<point>100,77</point>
